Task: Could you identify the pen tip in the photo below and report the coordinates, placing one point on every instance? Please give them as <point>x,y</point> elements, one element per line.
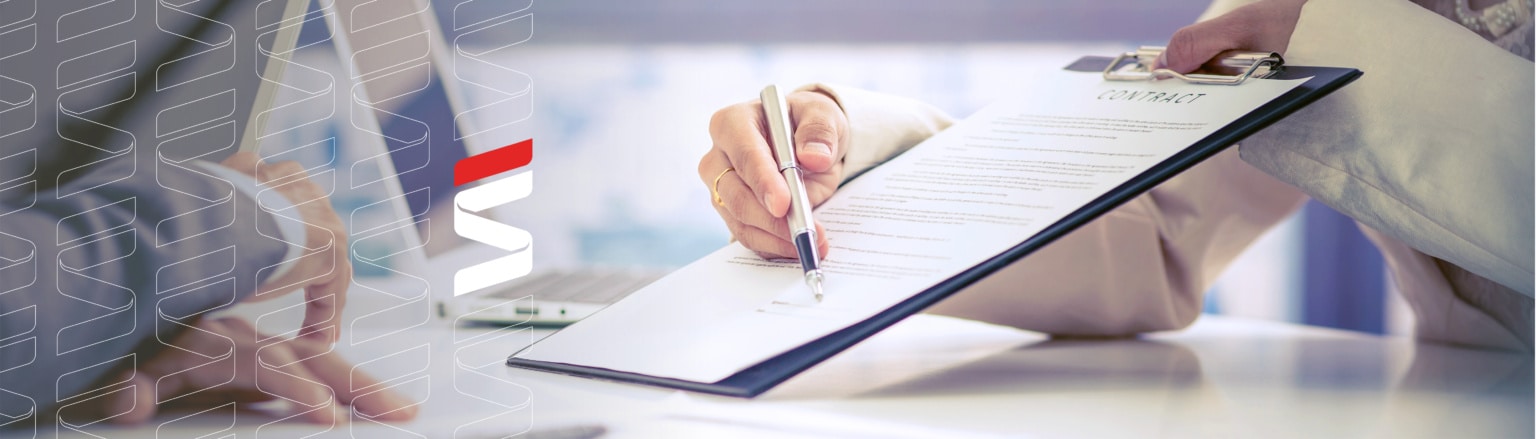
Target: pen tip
<point>813,279</point>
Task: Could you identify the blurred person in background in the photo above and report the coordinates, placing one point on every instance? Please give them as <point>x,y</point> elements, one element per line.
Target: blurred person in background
<point>1433,158</point>
<point>108,280</point>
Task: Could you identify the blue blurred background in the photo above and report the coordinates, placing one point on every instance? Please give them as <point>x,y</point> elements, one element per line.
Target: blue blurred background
<point>624,90</point>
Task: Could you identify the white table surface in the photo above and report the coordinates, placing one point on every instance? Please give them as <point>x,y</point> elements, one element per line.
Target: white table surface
<point>930,376</point>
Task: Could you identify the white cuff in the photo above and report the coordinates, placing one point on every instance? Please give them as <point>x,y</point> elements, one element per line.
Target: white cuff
<point>272,202</point>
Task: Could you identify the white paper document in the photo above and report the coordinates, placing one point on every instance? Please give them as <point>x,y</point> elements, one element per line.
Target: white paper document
<point>954,201</point>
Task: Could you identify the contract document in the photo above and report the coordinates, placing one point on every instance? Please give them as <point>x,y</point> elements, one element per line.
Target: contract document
<point>956,200</point>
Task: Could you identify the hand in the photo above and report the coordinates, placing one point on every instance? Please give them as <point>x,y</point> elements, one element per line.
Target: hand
<point>323,271</point>
<point>225,360</point>
<point>1262,26</point>
<point>756,199</point>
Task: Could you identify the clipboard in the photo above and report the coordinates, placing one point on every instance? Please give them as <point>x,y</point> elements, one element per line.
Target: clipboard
<point>1228,69</point>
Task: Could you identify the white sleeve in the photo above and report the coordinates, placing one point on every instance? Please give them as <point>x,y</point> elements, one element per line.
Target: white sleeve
<point>271,202</point>
<point>882,125</point>
<point>1432,146</point>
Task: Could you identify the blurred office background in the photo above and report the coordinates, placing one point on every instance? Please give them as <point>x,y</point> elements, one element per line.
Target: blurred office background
<point>624,91</point>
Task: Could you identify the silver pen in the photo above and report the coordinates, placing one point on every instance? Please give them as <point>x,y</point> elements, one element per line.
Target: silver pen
<point>782,141</point>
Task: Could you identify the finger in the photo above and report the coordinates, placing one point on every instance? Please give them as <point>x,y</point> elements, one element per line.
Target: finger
<point>713,166</point>
<point>321,309</point>
<point>738,131</point>
<point>135,406</point>
<point>740,206</point>
<point>1194,45</point>
<point>214,397</point>
<point>820,186</point>
<point>354,387</point>
<point>245,162</point>
<point>737,202</point>
<point>775,244</point>
<point>324,301</point>
<point>343,281</point>
<point>765,244</point>
<point>283,171</point>
<point>295,185</point>
<point>298,189</point>
<point>342,284</point>
<point>200,358</point>
<point>279,372</point>
<point>325,294</point>
<point>819,128</point>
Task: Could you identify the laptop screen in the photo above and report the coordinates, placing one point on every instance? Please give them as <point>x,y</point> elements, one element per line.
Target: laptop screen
<point>400,66</point>
<point>419,133</point>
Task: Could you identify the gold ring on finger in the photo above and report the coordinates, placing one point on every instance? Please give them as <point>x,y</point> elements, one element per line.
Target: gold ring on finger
<point>716,189</point>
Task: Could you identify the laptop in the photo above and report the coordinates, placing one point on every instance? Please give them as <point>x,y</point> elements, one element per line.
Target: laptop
<point>425,111</point>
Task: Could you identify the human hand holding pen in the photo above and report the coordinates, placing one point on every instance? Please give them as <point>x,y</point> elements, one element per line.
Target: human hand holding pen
<point>754,198</point>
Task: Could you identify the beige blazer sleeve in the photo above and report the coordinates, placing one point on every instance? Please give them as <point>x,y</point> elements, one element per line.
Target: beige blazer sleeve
<point>1140,268</point>
<point>883,125</point>
<point>1433,146</point>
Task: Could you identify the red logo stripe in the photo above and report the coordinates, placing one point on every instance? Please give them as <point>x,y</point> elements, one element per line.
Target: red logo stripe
<point>496,161</point>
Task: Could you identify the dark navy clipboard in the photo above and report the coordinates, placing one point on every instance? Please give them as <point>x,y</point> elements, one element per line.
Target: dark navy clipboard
<point>763,376</point>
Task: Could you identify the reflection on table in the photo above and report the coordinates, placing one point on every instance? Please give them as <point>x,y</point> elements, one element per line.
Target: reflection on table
<point>1223,377</point>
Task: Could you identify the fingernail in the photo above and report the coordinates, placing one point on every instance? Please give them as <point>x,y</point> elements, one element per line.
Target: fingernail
<point>820,148</point>
<point>768,202</point>
<point>1162,60</point>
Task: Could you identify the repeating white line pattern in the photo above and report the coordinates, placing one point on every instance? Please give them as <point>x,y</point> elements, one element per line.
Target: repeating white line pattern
<point>479,359</point>
<point>18,113</point>
<point>512,90</point>
<point>103,67</point>
<point>305,87</point>
<point>380,46</point>
<point>192,104</point>
<point>195,123</point>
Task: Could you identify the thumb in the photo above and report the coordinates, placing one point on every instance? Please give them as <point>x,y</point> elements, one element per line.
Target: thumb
<point>135,405</point>
<point>244,161</point>
<point>817,131</point>
<point>1195,44</point>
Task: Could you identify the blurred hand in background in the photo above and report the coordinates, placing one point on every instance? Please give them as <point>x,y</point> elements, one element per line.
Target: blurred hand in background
<point>323,271</point>
<point>221,360</point>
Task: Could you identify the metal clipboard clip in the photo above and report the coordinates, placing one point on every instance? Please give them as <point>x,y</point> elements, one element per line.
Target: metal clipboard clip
<point>1228,68</point>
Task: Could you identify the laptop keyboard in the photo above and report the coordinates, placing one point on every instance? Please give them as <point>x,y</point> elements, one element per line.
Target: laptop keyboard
<point>581,286</point>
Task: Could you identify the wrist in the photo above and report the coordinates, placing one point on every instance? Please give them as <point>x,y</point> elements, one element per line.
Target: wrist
<point>273,204</point>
